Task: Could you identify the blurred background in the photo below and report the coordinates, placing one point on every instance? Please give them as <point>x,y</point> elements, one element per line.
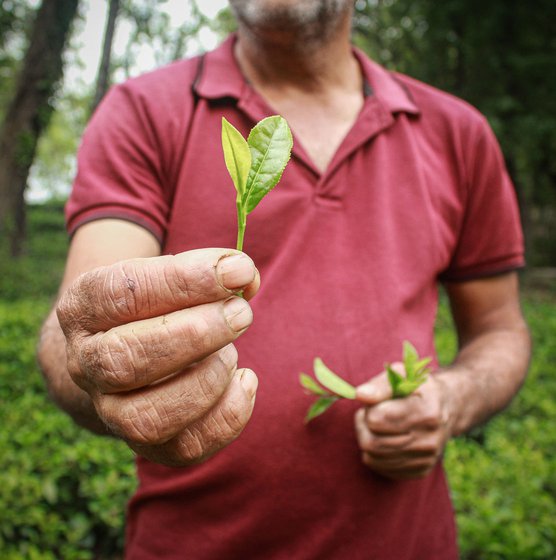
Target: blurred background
<point>63,491</point>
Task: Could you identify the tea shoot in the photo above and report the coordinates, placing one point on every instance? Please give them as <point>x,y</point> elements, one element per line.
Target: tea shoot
<point>330,387</point>
<point>256,164</point>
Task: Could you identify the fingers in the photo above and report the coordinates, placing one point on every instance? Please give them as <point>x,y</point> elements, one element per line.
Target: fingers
<point>400,456</point>
<point>402,415</point>
<point>217,428</point>
<point>143,288</point>
<point>404,438</point>
<point>155,414</point>
<point>368,441</point>
<point>378,389</point>
<point>137,354</point>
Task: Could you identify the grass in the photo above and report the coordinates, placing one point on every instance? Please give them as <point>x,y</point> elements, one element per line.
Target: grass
<point>64,491</point>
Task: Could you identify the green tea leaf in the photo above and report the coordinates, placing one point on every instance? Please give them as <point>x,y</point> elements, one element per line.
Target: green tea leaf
<point>421,365</point>
<point>270,142</point>
<point>410,356</point>
<point>237,156</point>
<point>311,385</point>
<point>416,372</point>
<point>319,406</point>
<point>407,387</point>
<point>395,380</point>
<point>332,381</point>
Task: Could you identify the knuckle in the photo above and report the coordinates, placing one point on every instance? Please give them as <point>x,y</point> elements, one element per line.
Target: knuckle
<point>431,418</point>
<point>367,460</point>
<point>390,417</point>
<point>76,304</point>
<point>376,422</point>
<point>192,446</point>
<point>232,418</point>
<point>137,423</point>
<point>228,357</point>
<point>67,311</point>
<point>105,361</point>
<point>431,446</point>
<point>84,292</point>
<point>87,363</point>
<point>178,283</point>
<point>62,308</point>
<point>210,384</point>
<point>197,333</point>
<point>126,289</point>
<point>367,442</point>
<point>142,427</point>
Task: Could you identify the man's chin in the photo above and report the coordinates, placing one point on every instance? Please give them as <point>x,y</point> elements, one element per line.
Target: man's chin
<point>306,20</point>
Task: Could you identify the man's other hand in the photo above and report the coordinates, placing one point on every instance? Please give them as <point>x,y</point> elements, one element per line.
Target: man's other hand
<point>151,341</point>
<point>402,438</point>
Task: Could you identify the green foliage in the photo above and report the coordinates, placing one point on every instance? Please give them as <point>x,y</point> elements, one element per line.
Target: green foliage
<point>153,28</point>
<point>15,18</point>
<point>54,164</point>
<point>37,275</point>
<point>503,475</point>
<point>63,490</point>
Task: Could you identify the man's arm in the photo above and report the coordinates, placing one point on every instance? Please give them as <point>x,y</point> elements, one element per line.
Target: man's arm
<point>494,349</point>
<point>98,243</point>
<point>404,438</point>
<point>142,347</point>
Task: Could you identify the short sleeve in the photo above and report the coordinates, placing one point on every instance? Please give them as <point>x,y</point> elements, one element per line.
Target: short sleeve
<point>490,240</point>
<point>119,167</point>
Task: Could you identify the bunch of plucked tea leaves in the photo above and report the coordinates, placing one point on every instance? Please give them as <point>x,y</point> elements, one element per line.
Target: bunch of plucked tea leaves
<point>331,387</point>
<point>256,164</point>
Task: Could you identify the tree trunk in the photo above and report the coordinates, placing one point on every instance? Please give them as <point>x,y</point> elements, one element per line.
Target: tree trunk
<point>103,76</point>
<point>30,110</point>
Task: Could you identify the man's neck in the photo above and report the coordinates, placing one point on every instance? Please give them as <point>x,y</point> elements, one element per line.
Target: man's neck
<point>278,62</point>
<point>316,87</point>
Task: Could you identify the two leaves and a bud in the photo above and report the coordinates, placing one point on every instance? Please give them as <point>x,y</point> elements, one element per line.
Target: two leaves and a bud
<point>330,387</point>
<point>256,164</point>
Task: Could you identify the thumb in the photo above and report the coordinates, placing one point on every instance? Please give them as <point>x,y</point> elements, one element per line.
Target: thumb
<point>374,391</point>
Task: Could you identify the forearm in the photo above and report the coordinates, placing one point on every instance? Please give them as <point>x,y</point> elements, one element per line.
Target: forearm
<point>486,374</point>
<point>63,391</point>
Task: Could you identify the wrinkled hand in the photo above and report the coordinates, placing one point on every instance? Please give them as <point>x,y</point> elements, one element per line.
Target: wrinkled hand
<point>150,340</point>
<point>402,438</point>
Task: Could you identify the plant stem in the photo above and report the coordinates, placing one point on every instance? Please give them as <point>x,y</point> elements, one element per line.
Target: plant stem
<point>241,223</point>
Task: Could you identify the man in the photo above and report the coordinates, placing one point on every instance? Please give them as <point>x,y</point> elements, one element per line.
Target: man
<point>392,187</point>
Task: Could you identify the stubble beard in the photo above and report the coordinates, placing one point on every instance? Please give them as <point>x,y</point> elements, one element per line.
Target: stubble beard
<point>309,22</point>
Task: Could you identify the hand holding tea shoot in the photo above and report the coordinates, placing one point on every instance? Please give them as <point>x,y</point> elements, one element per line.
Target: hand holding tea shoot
<point>256,164</point>
<point>332,387</point>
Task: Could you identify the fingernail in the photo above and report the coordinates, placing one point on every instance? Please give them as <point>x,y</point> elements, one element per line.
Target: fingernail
<point>235,271</point>
<point>238,314</point>
<point>249,382</point>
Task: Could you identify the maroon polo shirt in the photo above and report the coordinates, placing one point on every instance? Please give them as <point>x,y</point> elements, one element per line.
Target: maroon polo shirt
<point>350,261</point>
